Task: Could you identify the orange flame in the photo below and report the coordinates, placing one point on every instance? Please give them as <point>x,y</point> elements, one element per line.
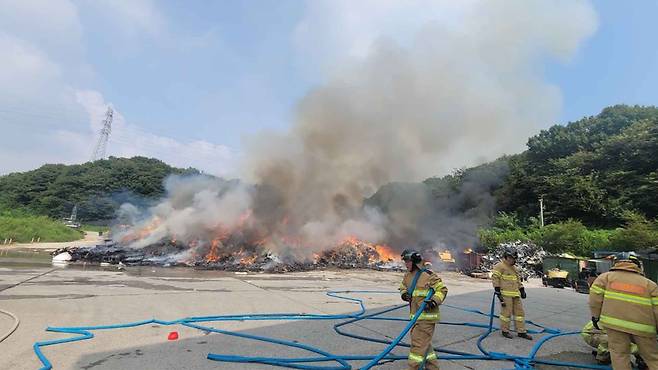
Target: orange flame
<point>142,232</point>
<point>212,255</point>
<point>248,260</point>
<point>386,253</point>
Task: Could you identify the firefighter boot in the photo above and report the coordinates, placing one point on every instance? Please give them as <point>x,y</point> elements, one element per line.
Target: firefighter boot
<point>640,364</point>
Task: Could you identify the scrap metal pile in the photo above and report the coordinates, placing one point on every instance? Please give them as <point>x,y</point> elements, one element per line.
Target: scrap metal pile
<point>529,263</point>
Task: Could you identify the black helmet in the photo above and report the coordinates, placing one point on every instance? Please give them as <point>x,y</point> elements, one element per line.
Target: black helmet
<point>509,251</point>
<point>627,256</point>
<point>411,255</point>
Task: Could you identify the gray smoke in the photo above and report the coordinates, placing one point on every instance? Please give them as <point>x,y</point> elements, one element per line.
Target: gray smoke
<point>454,95</point>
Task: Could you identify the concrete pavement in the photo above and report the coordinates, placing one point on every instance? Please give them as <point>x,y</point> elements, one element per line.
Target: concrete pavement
<point>77,296</point>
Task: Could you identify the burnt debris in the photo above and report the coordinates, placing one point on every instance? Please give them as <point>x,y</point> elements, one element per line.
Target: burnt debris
<point>348,255</point>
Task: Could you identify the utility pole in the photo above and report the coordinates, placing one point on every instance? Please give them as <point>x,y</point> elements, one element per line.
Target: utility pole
<point>101,145</point>
<point>541,210</point>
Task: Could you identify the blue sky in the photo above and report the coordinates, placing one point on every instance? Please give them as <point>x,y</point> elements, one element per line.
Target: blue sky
<point>244,76</point>
<point>619,64</point>
<point>191,80</point>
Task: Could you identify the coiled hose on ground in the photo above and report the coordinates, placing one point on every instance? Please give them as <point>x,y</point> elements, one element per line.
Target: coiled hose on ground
<point>342,362</point>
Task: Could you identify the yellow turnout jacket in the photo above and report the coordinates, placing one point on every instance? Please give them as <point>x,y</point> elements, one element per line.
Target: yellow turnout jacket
<point>624,300</point>
<point>427,280</point>
<point>507,278</point>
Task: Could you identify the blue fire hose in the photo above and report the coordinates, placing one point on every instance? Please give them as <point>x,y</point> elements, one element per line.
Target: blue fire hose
<point>342,362</point>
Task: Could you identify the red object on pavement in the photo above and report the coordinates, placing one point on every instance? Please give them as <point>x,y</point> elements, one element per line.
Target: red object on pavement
<point>173,335</point>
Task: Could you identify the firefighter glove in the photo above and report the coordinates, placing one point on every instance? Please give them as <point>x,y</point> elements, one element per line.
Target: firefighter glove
<point>405,297</point>
<point>430,305</point>
<point>499,295</point>
<point>595,322</point>
<point>522,291</point>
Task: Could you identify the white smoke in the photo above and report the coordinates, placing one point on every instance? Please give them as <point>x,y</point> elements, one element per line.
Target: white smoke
<point>455,92</point>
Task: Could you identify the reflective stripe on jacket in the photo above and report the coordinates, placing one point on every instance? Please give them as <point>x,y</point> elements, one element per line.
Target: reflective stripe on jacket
<point>427,280</point>
<point>507,278</point>
<point>624,300</point>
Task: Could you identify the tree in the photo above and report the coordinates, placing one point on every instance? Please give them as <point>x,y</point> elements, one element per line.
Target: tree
<point>638,234</point>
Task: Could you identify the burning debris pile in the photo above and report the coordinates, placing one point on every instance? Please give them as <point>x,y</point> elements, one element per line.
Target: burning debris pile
<point>351,253</point>
<point>529,263</point>
<point>113,253</point>
<point>355,253</point>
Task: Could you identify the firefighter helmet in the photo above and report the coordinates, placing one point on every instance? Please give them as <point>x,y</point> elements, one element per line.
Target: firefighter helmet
<point>510,251</point>
<point>411,255</point>
<point>628,256</point>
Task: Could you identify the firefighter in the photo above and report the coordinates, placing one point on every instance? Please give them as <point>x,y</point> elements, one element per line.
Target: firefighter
<point>626,304</point>
<point>509,290</point>
<point>414,289</point>
<point>598,339</point>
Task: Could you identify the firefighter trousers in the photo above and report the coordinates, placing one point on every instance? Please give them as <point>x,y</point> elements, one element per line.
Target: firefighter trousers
<point>600,343</point>
<point>512,310</point>
<point>619,345</point>
<point>421,346</point>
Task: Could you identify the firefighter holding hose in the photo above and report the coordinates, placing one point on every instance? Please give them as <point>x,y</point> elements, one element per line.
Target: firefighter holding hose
<point>415,288</point>
<point>625,303</point>
<point>509,290</point>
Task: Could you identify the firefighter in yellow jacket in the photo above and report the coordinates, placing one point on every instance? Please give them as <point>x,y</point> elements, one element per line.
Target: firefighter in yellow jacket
<point>509,290</point>
<point>414,289</point>
<point>598,339</point>
<point>626,304</point>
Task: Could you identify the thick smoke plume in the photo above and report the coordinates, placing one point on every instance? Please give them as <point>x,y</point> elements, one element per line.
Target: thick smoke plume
<point>456,94</point>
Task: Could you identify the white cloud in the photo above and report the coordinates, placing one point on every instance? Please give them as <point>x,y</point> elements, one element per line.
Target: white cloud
<point>128,140</point>
<point>54,25</point>
<point>24,68</point>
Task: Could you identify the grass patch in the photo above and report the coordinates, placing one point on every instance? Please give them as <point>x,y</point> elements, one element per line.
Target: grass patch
<point>23,228</point>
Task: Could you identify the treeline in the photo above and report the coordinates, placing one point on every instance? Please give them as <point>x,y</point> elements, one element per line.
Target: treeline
<point>97,188</point>
<point>594,170</point>
<point>598,178</point>
<point>637,234</point>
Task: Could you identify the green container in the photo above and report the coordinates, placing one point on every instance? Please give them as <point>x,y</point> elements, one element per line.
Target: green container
<point>567,264</point>
<point>650,268</point>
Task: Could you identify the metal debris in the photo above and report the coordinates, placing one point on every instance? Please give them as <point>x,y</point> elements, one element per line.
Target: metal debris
<point>529,263</point>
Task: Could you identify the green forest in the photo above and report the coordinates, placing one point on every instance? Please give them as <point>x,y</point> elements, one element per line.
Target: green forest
<point>98,188</point>
<point>598,178</point>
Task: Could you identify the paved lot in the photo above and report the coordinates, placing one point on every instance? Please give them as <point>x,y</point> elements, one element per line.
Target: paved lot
<point>85,296</point>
